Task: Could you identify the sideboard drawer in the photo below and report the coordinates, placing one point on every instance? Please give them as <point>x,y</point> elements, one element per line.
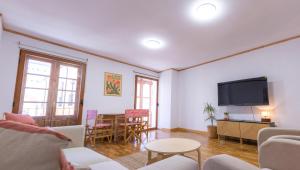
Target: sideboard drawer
<point>250,130</point>
<point>227,128</point>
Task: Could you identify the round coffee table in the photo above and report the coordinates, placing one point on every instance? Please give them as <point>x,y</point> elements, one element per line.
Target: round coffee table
<point>172,146</point>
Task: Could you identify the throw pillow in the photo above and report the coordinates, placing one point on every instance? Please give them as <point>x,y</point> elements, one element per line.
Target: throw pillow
<point>20,118</point>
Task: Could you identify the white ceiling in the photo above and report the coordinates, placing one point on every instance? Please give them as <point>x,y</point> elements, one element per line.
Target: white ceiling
<point>115,28</point>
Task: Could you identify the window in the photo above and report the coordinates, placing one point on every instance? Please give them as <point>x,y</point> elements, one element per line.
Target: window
<point>49,88</point>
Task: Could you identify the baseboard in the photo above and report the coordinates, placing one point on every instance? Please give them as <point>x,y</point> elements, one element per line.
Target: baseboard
<point>178,129</point>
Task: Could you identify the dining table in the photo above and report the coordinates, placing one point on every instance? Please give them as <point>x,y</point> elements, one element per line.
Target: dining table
<point>114,117</point>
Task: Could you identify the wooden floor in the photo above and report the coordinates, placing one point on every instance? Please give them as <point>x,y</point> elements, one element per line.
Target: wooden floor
<point>209,147</point>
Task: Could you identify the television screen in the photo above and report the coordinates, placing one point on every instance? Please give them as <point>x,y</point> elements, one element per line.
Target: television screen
<point>248,92</point>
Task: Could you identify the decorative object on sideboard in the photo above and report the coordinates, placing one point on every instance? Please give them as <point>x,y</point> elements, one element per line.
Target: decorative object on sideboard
<point>265,116</point>
<point>112,84</point>
<point>210,111</point>
<point>226,115</point>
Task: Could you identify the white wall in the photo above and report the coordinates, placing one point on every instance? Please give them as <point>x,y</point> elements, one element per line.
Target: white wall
<point>164,100</point>
<point>174,100</point>
<point>281,65</point>
<point>1,27</point>
<point>94,87</point>
<point>168,106</point>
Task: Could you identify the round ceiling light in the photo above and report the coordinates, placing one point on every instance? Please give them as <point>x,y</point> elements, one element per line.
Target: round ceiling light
<point>205,11</point>
<point>153,43</point>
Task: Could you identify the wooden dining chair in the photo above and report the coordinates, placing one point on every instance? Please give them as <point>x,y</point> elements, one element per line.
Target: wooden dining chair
<point>97,127</point>
<point>132,124</point>
<point>103,128</point>
<point>143,114</point>
<point>91,116</point>
<point>127,126</point>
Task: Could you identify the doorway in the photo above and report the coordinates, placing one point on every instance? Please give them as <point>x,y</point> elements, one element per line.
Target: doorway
<point>146,97</point>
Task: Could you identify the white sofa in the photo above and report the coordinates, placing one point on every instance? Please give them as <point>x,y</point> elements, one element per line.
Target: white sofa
<point>84,158</point>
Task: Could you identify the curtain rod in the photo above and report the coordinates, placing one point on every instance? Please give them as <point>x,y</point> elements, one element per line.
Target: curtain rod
<point>29,47</point>
<point>136,72</point>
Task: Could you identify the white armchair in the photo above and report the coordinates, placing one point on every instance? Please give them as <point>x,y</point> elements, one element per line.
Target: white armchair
<point>266,133</point>
<point>279,149</point>
<point>280,153</point>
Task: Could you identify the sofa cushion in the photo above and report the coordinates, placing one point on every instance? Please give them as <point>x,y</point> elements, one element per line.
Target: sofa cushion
<point>20,118</point>
<point>175,162</point>
<point>107,165</point>
<point>30,147</point>
<point>83,157</point>
<point>227,162</point>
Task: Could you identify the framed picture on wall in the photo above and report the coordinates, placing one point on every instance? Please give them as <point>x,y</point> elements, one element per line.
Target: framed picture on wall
<point>112,84</point>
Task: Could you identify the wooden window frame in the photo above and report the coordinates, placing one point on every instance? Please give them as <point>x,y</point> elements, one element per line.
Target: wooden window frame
<point>24,55</point>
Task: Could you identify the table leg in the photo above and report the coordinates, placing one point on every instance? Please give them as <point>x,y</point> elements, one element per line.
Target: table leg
<point>115,129</point>
<point>149,157</point>
<point>199,158</point>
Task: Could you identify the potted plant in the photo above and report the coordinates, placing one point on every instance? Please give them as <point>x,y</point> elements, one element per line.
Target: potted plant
<point>226,115</point>
<point>210,111</point>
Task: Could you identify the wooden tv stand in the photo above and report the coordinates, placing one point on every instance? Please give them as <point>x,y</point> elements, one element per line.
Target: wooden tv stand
<point>241,129</point>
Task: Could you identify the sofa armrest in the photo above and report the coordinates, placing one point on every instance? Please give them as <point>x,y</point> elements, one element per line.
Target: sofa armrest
<point>265,133</point>
<point>75,133</point>
<point>280,153</point>
<point>226,162</point>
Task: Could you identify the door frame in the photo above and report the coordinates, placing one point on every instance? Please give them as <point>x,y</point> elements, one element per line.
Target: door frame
<point>157,104</point>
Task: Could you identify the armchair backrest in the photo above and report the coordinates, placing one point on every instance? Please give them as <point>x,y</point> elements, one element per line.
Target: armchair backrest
<point>265,133</point>
<point>280,152</point>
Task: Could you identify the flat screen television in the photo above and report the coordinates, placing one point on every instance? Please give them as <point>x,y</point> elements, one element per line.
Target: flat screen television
<point>248,92</point>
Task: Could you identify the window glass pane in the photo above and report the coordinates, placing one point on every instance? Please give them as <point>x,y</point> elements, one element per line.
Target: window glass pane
<point>138,90</point>
<point>34,81</point>
<point>66,96</point>
<point>71,85</point>
<point>69,108</point>
<point>63,71</point>
<point>70,97</point>
<point>146,90</point>
<point>34,109</point>
<point>65,109</point>
<point>146,103</point>
<point>35,95</point>
<point>68,72</point>
<point>39,67</point>
<point>59,109</point>
<point>72,72</point>
<point>138,103</point>
<point>60,96</point>
<point>67,84</point>
<point>62,84</point>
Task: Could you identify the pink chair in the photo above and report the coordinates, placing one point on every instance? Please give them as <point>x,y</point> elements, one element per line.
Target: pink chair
<point>133,123</point>
<point>97,127</point>
<point>143,114</point>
